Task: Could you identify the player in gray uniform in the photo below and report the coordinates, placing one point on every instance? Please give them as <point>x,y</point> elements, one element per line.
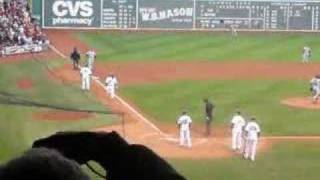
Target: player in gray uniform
<point>306,54</point>
<point>91,56</point>
<point>315,88</point>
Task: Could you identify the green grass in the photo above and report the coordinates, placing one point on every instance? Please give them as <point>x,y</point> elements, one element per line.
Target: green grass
<point>188,46</point>
<point>164,102</point>
<point>18,129</point>
<point>286,161</point>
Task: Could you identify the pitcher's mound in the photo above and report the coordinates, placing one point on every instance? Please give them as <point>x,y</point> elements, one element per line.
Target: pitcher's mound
<point>301,102</point>
<point>61,115</point>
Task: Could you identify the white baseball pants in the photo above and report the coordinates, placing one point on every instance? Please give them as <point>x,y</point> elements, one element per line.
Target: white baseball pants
<point>85,83</point>
<point>316,96</point>
<point>236,139</point>
<point>185,138</point>
<point>111,91</point>
<point>305,58</point>
<point>250,149</point>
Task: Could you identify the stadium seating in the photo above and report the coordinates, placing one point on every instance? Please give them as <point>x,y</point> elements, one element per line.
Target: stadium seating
<point>19,32</point>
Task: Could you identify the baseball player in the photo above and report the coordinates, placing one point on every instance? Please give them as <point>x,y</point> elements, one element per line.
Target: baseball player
<point>91,56</point>
<point>234,32</point>
<point>111,85</point>
<point>252,133</point>
<point>306,54</point>
<point>237,126</point>
<point>184,124</point>
<point>315,88</point>
<point>85,73</point>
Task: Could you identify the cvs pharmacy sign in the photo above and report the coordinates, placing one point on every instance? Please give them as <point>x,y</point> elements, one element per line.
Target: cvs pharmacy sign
<point>72,8</point>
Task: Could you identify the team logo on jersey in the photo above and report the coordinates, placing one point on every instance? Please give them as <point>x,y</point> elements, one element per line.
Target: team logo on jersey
<point>253,128</point>
<point>185,121</point>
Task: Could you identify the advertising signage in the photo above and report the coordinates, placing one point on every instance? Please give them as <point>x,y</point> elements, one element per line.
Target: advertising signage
<point>72,13</point>
<point>262,15</point>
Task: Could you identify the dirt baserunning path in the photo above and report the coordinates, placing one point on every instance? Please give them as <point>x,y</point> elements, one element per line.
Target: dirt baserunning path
<point>132,73</point>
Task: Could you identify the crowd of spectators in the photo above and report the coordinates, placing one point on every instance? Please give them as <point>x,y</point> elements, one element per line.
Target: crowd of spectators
<point>17,27</point>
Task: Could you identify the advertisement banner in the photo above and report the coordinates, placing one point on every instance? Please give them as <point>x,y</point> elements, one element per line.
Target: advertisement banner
<point>176,14</point>
<point>72,13</point>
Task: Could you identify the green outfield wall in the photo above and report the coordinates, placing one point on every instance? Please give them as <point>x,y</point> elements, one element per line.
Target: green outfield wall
<point>258,15</point>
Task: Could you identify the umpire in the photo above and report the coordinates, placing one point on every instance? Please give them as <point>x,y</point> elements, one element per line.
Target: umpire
<point>75,57</point>
<point>209,117</point>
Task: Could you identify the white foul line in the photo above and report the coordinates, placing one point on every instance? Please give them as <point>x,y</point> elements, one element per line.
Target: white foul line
<point>123,102</point>
<point>57,51</point>
<point>140,116</point>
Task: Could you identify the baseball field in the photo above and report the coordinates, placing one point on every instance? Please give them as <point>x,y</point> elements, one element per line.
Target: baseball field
<point>161,74</point>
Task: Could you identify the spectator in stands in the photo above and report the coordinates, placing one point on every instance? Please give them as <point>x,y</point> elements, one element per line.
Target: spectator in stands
<point>17,28</point>
<point>40,164</point>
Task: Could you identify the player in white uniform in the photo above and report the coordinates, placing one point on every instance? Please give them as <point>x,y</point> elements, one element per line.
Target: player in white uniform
<point>233,30</point>
<point>111,85</point>
<point>85,73</point>
<point>237,125</point>
<point>252,130</point>
<point>184,123</point>
<point>91,55</point>
<point>306,54</point>
<point>315,88</point>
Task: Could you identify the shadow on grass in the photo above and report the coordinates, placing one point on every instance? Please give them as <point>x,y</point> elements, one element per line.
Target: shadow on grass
<point>13,100</point>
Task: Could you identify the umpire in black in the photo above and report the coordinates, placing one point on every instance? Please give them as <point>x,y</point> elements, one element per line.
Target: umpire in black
<point>209,115</point>
<point>75,57</point>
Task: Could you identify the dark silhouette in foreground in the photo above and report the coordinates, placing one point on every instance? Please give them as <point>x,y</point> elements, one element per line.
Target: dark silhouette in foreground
<point>42,164</point>
<point>121,160</point>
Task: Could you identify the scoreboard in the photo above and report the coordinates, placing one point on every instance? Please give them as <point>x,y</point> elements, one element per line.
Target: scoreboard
<point>119,14</point>
<point>272,15</point>
<point>182,14</point>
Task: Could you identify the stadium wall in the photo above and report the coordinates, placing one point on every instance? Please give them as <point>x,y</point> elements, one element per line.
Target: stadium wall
<point>36,8</point>
<point>250,15</point>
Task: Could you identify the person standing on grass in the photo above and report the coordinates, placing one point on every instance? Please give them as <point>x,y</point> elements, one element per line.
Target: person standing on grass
<point>252,134</point>
<point>306,54</point>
